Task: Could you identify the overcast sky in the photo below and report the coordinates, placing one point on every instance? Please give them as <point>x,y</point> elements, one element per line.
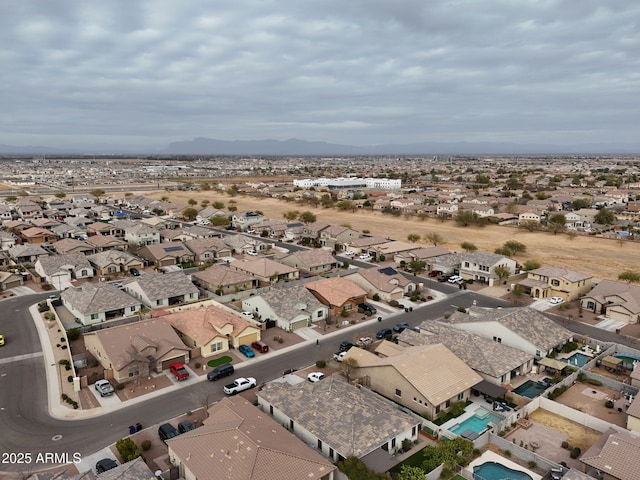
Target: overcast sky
<point>140,74</point>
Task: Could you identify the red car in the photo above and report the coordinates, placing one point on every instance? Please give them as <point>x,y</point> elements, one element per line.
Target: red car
<point>179,371</point>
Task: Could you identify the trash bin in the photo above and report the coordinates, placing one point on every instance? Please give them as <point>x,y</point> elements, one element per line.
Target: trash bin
<point>138,427</point>
<point>132,429</point>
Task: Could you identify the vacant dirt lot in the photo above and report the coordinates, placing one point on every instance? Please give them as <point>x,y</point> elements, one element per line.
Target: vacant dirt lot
<point>601,257</point>
<point>577,435</point>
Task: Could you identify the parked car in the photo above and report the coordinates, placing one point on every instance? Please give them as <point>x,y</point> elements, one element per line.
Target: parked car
<point>346,345</point>
<point>435,273</point>
<point>186,426</point>
<point>179,371</point>
<point>247,314</point>
<point>444,278</point>
<point>365,256</point>
<point>364,341</point>
<point>1,340</point>
<point>454,278</point>
<point>104,388</point>
<point>246,351</point>
<point>315,376</point>
<point>240,385</point>
<point>260,346</point>
<point>367,307</point>
<point>253,253</point>
<point>339,356</point>
<point>221,371</point>
<point>167,431</point>
<point>556,300</point>
<point>105,464</point>
<point>384,333</point>
<point>135,272</point>
<point>349,252</point>
<point>400,326</point>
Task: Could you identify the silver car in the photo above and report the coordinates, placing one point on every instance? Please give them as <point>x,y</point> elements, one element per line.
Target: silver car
<point>104,388</point>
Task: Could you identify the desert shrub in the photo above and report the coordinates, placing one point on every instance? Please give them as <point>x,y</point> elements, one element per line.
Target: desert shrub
<point>321,363</point>
<point>575,452</point>
<point>393,303</point>
<point>592,381</point>
<point>73,334</point>
<point>70,378</point>
<point>375,297</point>
<point>565,445</point>
<point>532,464</point>
<point>556,392</point>
<point>608,404</point>
<point>128,449</point>
<point>145,445</point>
<point>462,309</point>
<point>507,453</point>
<point>407,444</point>
<point>43,307</point>
<point>197,365</point>
<point>120,386</point>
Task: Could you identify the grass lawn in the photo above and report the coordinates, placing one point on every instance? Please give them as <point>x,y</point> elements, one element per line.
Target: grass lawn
<point>415,460</point>
<point>219,361</point>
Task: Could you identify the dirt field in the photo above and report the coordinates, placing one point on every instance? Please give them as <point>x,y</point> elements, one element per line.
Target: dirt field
<point>602,258</point>
<point>578,435</point>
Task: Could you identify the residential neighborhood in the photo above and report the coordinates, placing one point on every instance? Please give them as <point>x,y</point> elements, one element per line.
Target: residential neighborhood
<point>392,345</point>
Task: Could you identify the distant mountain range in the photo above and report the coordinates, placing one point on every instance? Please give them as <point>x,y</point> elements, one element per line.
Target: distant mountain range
<point>209,146</point>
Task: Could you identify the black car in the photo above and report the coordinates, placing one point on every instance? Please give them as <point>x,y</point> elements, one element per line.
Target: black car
<point>167,431</point>
<point>135,272</point>
<point>444,278</point>
<point>367,308</point>
<point>105,464</point>
<point>186,426</point>
<point>346,345</point>
<point>399,327</point>
<point>384,333</point>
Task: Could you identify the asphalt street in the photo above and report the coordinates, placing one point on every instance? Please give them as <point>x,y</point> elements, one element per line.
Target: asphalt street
<point>27,426</point>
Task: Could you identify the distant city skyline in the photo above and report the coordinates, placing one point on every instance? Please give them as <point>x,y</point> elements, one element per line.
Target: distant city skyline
<point>136,77</point>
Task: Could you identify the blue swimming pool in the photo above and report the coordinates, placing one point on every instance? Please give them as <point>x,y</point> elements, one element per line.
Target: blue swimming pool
<point>477,422</point>
<point>578,359</point>
<point>497,471</point>
<point>530,389</point>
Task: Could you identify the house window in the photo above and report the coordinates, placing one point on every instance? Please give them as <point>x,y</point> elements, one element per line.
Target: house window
<point>503,378</point>
<point>94,316</point>
<point>132,309</point>
<point>133,371</point>
<point>271,410</point>
<point>497,339</point>
<point>331,453</point>
<point>319,314</point>
<point>398,392</point>
<point>291,425</point>
<point>413,431</point>
<point>460,396</point>
<point>555,282</point>
<point>216,347</point>
<point>438,409</point>
<point>159,302</point>
<point>591,305</point>
<point>537,353</point>
<point>319,444</point>
<point>447,403</point>
<point>347,307</point>
<point>393,443</point>
<point>191,295</point>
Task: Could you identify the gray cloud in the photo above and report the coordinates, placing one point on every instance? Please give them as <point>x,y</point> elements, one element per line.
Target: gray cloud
<point>142,74</point>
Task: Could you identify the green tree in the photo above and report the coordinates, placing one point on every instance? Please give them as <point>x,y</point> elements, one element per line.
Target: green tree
<point>557,223</point>
<point>348,366</point>
<point>11,198</point>
<point>503,272</point>
<point>434,238</point>
<point>192,202</point>
<point>629,276</point>
<point>604,217</point>
<point>580,203</point>
<point>307,217</point>
<point>291,215</point>
<point>529,225</point>
<point>518,292</point>
<point>465,218</point>
<point>219,220</point>
<point>417,266</point>
<point>531,265</point>
<point>60,195</point>
<point>356,469</point>
<point>468,247</point>
<point>97,192</point>
<point>218,205</point>
<point>189,213</point>
<point>413,237</point>
<point>232,208</point>
<point>345,205</point>
<point>515,247</point>
<point>407,472</point>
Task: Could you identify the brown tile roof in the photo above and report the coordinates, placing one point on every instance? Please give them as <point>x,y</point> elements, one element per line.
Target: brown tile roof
<point>263,267</point>
<point>204,324</point>
<point>569,275</point>
<point>239,441</point>
<point>222,275</point>
<point>336,290</point>
<point>617,456</point>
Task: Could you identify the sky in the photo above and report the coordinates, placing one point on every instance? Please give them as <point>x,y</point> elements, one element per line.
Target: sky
<point>140,74</point>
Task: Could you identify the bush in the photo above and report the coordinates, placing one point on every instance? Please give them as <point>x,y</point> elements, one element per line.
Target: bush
<point>197,365</point>
<point>575,452</point>
<point>120,386</point>
<point>70,378</point>
<point>608,404</point>
<point>592,381</point>
<point>565,445</point>
<point>321,363</point>
<point>407,444</point>
<point>375,297</point>
<point>393,303</point>
<point>43,307</point>
<point>556,392</point>
<point>128,449</point>
<point>73,334</point>
<point>145,445</point>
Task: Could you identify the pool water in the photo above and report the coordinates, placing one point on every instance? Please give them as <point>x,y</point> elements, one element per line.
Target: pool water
<point>577,359</point>
<point>497,471</point>
<point>530,389</point>
<point>477,422</point>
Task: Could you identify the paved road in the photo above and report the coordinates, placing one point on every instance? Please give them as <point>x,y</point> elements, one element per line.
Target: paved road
<point>25,422</point>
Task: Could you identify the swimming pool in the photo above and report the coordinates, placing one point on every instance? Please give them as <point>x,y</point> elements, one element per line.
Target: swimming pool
<point>530,389</point>
<point>577,359</point>
<point>477,422</point>
<point>497,471</point>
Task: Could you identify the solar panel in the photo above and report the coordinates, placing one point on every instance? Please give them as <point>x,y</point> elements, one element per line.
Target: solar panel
<point>173,249</point>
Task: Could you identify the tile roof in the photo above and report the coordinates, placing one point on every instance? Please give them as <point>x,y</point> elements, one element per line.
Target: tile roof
<point>205,324</point>
<point>336,290</point>
<point>108,257</point>
<point>606,291</point>
<point>72,245</point>
<point>164,285</point>
<point>367,241</point>
<point>123,343</point>
<point>617,456</point>
<point>202,245</point>
<point>433,370</point>
<point>134,470</point>
<point>481,354</point>
<point>103,297</point>
<point>382,282</point>
<point>352,421</point>
<point>106,241</point>
<point>54,263</point>
<point>525,322</point>
<point>263,267</point>
<point>288,301</point>
<point>316,257</point>
<point>222,275</point>
<point>569,275</point>
<point>239,441</point>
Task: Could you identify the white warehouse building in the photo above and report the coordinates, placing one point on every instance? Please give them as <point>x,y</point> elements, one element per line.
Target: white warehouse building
<point>341,182</point>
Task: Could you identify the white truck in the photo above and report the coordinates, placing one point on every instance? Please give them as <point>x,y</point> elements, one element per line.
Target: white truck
<point>240,385</point>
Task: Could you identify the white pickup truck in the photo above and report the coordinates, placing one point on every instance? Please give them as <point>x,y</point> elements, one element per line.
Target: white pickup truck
<point>240,385</point>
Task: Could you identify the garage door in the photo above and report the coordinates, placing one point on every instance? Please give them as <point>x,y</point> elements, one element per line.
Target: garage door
<point>299,324</point>
<point>248,339</point>
<point>166,363</point>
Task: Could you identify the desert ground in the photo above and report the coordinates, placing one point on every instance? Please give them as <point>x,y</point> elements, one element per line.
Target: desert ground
<point>603,258</point>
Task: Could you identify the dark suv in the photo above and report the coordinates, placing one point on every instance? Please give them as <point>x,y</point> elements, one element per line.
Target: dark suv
<point>384,333</point>
<point>220,371</point>
<point>167,431</point>
<point>368,308</point>
<point>344,346</point>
